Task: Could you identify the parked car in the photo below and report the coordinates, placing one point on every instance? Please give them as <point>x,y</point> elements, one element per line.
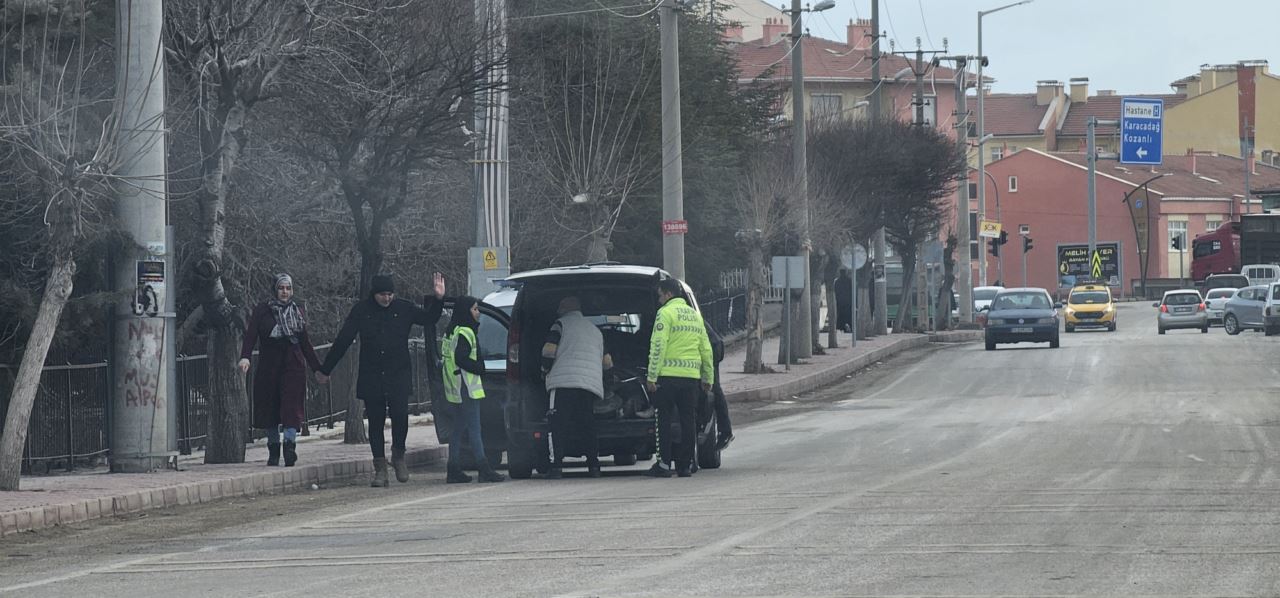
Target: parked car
<point>1022,315</point>
<point>982,297</point>
<point>1215,303</point>
<point>1243,311</point>
<point>623,302</point>
<point>1261,274</point>
<point>1090,306</point>
<point>1271,310</point>
<point>1183,308</point>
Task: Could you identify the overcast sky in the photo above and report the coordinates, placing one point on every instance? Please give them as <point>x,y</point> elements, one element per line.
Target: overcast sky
<point>1131,46</point>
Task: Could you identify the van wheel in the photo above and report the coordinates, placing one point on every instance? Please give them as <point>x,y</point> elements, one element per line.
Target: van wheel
<point>1204,330</point>
<point>1053,344</point>
<point>708,454</point>
<point>1231,325</point>
<point>624,459</point>
<point>1268,331</point>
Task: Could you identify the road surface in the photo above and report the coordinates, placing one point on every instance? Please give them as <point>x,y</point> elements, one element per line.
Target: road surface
<point>1122,463</point>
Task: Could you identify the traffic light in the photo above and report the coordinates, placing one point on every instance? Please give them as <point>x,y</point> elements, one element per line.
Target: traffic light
<point>994,246</point>
<point>1026,244</point>
<point>1176,243</point>
<point>1004,237</point>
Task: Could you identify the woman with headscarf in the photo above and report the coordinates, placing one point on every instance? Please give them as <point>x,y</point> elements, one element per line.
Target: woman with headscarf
<point>462,370</point>
<point>278,328</point>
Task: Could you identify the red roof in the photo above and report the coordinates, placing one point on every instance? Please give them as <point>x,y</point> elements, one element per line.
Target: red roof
<point>824,60</point>
<point>1216,176</point>
<point>1012,114</point>
<point>1105,107</point>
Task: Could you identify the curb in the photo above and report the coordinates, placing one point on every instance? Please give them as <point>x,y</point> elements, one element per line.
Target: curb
<point>837,372</point>
<point>191,493</point>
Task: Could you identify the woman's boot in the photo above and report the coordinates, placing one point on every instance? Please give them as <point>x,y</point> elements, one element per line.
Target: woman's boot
<point>397,462</point>
<point>273,454</point>
<point>290,453</point>
<point>380,473</point>
<point>457,476</point>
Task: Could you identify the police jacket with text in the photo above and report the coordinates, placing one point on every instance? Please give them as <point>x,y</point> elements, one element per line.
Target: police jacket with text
<point>679,347</point>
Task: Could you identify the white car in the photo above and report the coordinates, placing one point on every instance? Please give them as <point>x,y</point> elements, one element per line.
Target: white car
<point>1215,302</point>
<point>982,297</point>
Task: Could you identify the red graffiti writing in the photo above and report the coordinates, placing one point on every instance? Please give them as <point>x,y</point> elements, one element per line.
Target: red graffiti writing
<point>141,382</point>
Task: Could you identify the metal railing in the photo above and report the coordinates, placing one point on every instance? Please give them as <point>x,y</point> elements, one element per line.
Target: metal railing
<point>736,280</point>
<point>725,310</point>
<point>70,427</point>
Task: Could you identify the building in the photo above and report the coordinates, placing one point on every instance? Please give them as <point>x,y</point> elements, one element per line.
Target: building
<point>747,18</point>
<point>1220,101</point>
<point>1047,192</point>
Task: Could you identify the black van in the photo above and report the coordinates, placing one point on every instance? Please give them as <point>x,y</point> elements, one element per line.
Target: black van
<point>622,300</point>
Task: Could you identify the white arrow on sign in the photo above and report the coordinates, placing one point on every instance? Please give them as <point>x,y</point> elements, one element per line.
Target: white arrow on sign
<point>1142,152</point>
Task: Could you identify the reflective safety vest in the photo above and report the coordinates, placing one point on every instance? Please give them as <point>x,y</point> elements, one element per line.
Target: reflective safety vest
<point>455,377</point>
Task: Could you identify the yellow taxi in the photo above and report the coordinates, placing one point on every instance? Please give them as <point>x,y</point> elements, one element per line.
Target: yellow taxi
<point>1090,306</point>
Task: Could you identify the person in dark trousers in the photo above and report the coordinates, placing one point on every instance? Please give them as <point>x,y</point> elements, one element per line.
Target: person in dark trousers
<point>844,301</point>
<point>463,388</point>
<point>385,380</point>
<point>724,428</point>
<point>279,329</point>
<point>679,358</point>
<point>574,361</point>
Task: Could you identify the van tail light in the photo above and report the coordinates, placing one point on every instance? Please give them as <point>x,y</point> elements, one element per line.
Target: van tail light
<point>513,352</point>
<point>1200,307</point>
<point>1164,309</point>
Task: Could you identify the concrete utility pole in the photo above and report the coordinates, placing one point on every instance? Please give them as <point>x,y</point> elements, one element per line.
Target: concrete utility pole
<point>964,265</point>
<point>804,340</point>
<point>489,259</point>
<point>881,311</point>
<point>673,222</point>
<point>142,356</point>
<point>1246,151</point>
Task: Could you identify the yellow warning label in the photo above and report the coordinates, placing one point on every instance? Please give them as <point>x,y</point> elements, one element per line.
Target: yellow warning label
<point>1097,265</point>
<point>490,259</point>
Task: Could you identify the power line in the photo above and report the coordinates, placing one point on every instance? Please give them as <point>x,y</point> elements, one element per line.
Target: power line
<point>892,29</point>
<point>580,12</point>
<point>924,22</point>
<point>627,16</point>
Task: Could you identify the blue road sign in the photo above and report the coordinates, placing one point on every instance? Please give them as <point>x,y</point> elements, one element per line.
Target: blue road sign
<point>1141,131</point>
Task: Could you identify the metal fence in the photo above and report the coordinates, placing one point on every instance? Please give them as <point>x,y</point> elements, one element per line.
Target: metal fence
<point>725,310</point>
<point>736,281</point>
<point>70,424</point>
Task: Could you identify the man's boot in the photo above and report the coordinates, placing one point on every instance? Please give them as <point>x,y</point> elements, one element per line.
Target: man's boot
<point>273,454</point>
<point>658,471</point>
<point>379,473</point>
<point>489,475</point>
<point>457,476</point>
<point>683,470</point>
<point>397,462</point>
<point>290,453</point>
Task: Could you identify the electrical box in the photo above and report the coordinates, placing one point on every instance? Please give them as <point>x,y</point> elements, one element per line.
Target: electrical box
<point>149,295</point>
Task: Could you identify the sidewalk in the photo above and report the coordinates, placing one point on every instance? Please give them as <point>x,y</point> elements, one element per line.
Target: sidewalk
<point>47,501</point>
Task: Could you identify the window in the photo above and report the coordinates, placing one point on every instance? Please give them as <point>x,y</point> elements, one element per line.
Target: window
<point>973,190</point>
<point>1178,231</point>
<point>1013,184</point>
<point>974,239</point>
<point>1206,248</point>
<point>1211,223</point>
<point>997,153</point>
<point>826,104</point>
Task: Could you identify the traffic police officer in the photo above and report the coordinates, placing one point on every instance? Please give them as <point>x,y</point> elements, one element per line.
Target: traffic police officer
<point>679,359</point>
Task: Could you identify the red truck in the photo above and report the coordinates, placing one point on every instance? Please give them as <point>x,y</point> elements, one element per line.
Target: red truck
<point>1254,239</point>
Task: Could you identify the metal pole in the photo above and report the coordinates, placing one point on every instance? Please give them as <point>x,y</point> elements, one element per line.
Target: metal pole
<point>1024,268</point>
<point>139,440</point>
<point>1182,259</point>
<point>490,175</point>
<point>881,312</point>
<point>853,310</point>
<point>805,341</point>
<point>1247,153</point>
<point>982,159</point>
<point>786,311</point>
<point>962,202</point>
<point>1093,187</point>
<point>672,171</point>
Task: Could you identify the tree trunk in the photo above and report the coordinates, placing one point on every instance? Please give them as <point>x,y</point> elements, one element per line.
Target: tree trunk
<point>754,363</point>
<point>906,304</point>
<point>833,317</point>
<point>354,431</point>
<point>56,292</point>
<point>948,283</point>
<point>228,397</point>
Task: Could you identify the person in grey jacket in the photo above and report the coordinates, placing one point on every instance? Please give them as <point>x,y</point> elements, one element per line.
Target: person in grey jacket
<point>574,360</point>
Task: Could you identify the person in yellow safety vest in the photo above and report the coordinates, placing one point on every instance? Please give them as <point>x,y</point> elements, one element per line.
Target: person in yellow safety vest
<point>679,358</point>
<point>464,389</point>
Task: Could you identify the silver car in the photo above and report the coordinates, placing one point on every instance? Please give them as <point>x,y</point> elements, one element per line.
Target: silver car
<point>1215,303</point>
<point>1244,310</point>
<point>1182,309</point>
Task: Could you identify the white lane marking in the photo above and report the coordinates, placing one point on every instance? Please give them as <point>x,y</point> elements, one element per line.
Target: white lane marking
<point>1195,458</point>
<point>900,379</point>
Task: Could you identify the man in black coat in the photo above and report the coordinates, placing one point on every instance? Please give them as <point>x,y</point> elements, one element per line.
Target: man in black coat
<point>385,381</point>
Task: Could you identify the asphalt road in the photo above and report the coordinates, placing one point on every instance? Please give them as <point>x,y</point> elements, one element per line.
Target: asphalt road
<point>1121,464</point>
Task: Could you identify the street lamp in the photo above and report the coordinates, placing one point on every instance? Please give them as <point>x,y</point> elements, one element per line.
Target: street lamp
<point>982,167</point>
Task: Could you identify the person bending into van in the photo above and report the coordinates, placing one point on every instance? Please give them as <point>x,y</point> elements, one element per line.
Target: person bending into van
<point>463,388</point>
<point>574,361</point>
<point>679,358</point>
<point>385,380</point>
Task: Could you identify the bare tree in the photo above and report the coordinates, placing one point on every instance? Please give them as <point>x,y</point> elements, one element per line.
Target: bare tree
<point>56,142</point>
<point>228,55</point>
<point>581,118</point>
<point>764,196</point>
<point>382,102</point>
